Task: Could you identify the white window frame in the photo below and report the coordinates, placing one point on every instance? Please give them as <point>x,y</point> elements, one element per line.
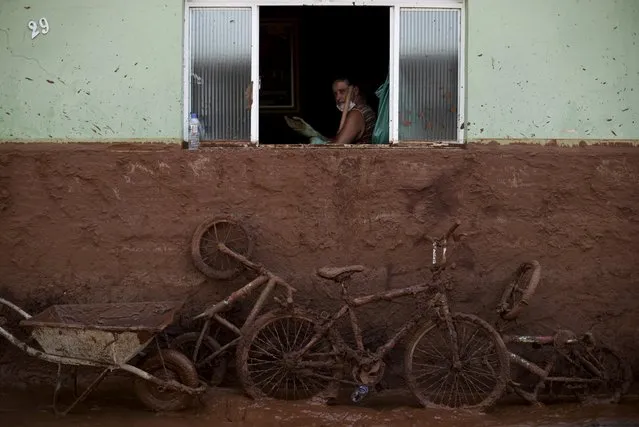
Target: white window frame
<point>395,7</point>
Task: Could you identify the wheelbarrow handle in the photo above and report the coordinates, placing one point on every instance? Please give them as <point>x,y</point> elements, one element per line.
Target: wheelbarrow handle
<point>15,308</point>
<point>171,384</point>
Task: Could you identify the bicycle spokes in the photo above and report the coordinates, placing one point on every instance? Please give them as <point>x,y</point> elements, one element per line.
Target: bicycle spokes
<point>278,370</point>
<point>443,382</point>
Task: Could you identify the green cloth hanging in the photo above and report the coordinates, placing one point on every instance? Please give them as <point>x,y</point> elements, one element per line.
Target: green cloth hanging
<point>380,132</point>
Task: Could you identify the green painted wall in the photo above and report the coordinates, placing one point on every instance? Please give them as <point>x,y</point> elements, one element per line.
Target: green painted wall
<point>553,69</point>
<point>112,70</point>
<point>105,70</point>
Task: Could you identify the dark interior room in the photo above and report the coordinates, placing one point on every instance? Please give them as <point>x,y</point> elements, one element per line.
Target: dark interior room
<point>302,50</point>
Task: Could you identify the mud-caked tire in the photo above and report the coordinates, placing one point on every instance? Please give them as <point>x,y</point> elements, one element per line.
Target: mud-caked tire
<point>208,259</point>
<point>167,364</point>
<point>214,372</point>
<point>265,345</point>
<point>520,290</point>
<point>486,357</point>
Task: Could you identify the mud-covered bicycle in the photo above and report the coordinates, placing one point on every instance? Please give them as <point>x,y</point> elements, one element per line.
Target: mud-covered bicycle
<point>453,360</point>
<point>577,365</point>
<point>220,249</point>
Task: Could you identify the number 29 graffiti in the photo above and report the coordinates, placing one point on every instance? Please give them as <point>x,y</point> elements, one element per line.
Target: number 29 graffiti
<point>33,26</point>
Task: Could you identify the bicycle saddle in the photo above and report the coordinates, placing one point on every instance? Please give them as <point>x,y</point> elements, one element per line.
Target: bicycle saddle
<point>333,273</point>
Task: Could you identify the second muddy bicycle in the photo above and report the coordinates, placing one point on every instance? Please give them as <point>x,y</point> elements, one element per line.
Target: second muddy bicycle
<point>452,360</point>
<point>576,365</point>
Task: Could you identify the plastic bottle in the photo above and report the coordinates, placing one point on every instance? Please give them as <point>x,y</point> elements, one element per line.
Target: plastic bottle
<point>194,132</point>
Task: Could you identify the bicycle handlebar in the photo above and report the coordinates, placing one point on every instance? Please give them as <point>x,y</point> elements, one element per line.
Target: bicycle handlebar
<point>228,251</point>
<point>264,277</point>
<point>451,230</point>
<point>446,235</point>
<point>254,266</point>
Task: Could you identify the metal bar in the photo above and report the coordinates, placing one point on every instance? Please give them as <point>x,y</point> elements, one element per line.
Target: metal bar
<point>170,384</point>
<point>93,327</point>
<point>227,324</point>
<point>357,331</point>
<point>408,326</point>
<point>186,73</point>
<point>259,303</point>
<point>215,354</point>
<point>392,294</point>
<point>455,4</point>
<point>573,380</point>
<point>529,366</point>
<point>15,308</point>
<point>323,329</point>
<point>200,338</point>
<point>255,73</point>
<point>83,396</point>
<point>393,89</point>
<point>461,78</point>
<point>526,339</point>
<point>452,333</point>
<point>241,293</point>
<point>255,266</point>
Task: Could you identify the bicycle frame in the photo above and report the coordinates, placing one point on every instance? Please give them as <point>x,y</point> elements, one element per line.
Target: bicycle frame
<point>439,302</point>
<point>212,313</point>
<point>543,373</point>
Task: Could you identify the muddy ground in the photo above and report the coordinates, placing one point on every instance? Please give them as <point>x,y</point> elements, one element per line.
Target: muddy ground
<point>108,223</point>
<point>109,408</point>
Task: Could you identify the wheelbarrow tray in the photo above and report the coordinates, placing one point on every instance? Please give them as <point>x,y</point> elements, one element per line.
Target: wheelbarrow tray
<point>105,334</point>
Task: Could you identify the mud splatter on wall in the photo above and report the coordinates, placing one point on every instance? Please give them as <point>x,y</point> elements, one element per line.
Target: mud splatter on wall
<point>105,70</point>
<point>549,69</point>
<point>113,70</point>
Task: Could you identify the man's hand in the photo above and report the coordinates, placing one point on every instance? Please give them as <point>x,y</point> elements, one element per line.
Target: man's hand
<point>318,140</point>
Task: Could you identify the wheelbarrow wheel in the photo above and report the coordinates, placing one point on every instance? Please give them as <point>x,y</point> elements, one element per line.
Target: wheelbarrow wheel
<point>167,364</point>
<point>214,371</point>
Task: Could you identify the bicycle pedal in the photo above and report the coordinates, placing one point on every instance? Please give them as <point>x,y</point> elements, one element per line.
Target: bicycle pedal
<point>359,393</point>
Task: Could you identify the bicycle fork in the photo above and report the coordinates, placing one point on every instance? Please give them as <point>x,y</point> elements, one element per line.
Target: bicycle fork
<point>452,333</point>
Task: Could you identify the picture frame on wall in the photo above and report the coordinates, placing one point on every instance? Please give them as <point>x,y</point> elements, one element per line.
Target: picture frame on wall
<point>279,65</point>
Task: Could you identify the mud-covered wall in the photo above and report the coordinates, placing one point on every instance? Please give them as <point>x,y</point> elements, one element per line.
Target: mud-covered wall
<point>114,223</point>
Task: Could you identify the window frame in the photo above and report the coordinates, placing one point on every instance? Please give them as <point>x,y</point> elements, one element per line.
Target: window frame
<point>395,7</point>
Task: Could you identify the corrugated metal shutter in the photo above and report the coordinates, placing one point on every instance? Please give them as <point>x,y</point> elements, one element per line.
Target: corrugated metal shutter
<point>220,51</point>
<point>428,74</point>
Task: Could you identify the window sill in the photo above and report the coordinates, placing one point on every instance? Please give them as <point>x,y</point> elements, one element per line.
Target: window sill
<point>402,144</point>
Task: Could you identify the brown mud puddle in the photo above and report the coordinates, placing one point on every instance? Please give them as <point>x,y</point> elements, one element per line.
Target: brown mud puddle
<point>229,407</point>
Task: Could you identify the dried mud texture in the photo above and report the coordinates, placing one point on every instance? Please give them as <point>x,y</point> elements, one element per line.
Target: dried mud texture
<point>113,223</point>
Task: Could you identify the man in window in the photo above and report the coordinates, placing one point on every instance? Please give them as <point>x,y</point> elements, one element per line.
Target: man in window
<point>357,124</point>
<point>357,127</point>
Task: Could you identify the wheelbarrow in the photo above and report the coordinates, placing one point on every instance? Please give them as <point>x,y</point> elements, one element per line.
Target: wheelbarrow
<point>109,336</point>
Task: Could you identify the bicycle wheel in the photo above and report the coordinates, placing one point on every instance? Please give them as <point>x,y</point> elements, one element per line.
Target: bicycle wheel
<point>520,290</point>
<point>617,376</point>
<point>476,384</point>
<point>266,367</point>
<point>166,365</point>
<point>208,258</point>
<point>214,371</point>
